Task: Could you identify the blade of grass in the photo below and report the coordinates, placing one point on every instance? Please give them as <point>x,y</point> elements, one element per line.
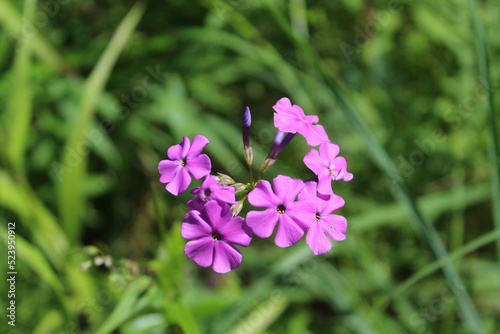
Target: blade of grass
<point>494,150</point>
<point>436,265</point>
<point>20,103</point>
<point>24,32</point>
<point>467,309</point>
<point>71,196</point>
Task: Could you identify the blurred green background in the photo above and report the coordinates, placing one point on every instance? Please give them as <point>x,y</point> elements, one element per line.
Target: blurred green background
<point>92,93</point>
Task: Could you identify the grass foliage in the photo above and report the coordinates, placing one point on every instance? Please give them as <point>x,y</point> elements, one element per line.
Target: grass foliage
<point>92,94</point>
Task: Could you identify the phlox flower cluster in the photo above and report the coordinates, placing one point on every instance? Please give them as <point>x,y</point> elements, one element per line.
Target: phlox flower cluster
<point>213,226</point>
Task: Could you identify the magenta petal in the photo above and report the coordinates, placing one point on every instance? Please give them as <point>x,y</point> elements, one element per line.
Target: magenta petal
<point>175,152</point>
<point>168,169</point>
<point>224,194</point>
<point>226,257</point>
<point>329,151</point>
<point>287,123</point>
<point>283,105</point>
<point>309,193</point>
<point>201,251</point>
<point>288,232</point>
<point>314,134</point>
<point>325,183</point>
<point>213,212</point>
<point>303,213</point>
<point>334,203</point>
<point>193,227</point>
<point>334,226</point>
<point>199,167</point>
<point>195,204</point>
<point>286,188</point>
<point>317,240</point>
<point>314,162</point>
<point>263,196</point>
<point>236,232</point>
<point>347,176</point>
<point>297,111</point>
<point>179,183</point>
<point>185,147</point>
<point>199,142</point>
<point>262,223</point>
<point>311,119</point>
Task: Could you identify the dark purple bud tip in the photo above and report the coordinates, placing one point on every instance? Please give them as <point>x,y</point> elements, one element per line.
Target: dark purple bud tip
<point>247,118</point>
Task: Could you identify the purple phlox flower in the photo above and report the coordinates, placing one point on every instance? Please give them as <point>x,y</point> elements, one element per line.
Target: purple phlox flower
<point>327,166</point>
<point>293,217</point>
<point>213,232</point>
<point>325,224</point>
<point>185,161</point>
<point>291,118</point>
<point>211,190</point>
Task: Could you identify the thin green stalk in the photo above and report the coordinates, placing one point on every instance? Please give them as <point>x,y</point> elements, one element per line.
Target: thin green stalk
<point>494,150</point>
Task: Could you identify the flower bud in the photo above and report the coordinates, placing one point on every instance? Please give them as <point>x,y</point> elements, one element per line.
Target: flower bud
<point>239,187</point>
<point>246,121</point>
<point>237,208</point>
<point>225,179</point>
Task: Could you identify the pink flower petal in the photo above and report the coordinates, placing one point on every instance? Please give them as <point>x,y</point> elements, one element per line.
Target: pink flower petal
<point>168,169</point>
<point>309,192</point>
<point>201,251</point>
<point>314,134</point>
<point>317,240</point>
<point>226,257</point>
<point>334,226</point>
<point>309,119</point>
<point>302,212</point>
<point>263,196</point>
<point>199,167</point>
<point>287,123</point>
<point>283,105</point>
<point>185,147</point>
<point>262,223</point>
<point>329,151</point>
<point>199,142</point>
<point>179,183</point>
<point>286,188</point>
<point>213,214</point>
<point>193,227</point>
<point>330,205</point>
<point>175,152</point>
<point>195,204</point>
<point>297,111</point>
<point>325,182</point>
<point>288,232</point>
<point>236,232</point>
<point>314,162</point>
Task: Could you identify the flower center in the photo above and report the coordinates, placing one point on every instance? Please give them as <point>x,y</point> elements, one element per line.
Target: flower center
<point>216,235</point>
<point>207,192</point>
<point>318,216</point>
<point>330,171</point>
<point>183,163</point>
<point>281,208</point>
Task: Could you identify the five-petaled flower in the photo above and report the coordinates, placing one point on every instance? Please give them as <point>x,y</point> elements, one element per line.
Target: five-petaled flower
<point>327,166</point>
<point>213,233</point>
<point>333,225</point>
<point>291,118</point>
<point>185,161</point>
<point>293,217</point>
<point>211,190</point>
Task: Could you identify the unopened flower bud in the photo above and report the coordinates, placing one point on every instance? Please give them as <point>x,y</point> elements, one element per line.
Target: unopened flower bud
<point>249,155</point>
<point>246,121</point>
<point>237,208</point>
<point>239,187</point>
<point>225,179</point>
